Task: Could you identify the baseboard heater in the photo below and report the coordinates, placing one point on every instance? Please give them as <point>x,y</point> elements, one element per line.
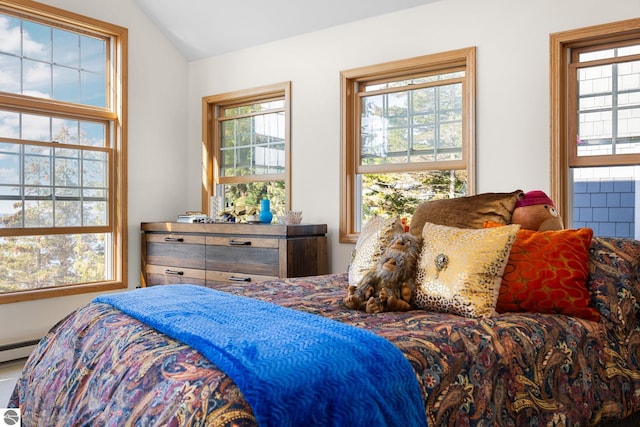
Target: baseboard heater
<point>17,350</point>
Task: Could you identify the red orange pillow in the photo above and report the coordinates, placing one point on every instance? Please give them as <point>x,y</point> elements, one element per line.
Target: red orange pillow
<point>547,272</point>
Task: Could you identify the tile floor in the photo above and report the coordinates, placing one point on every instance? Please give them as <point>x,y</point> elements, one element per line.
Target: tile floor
<point>9,373</point>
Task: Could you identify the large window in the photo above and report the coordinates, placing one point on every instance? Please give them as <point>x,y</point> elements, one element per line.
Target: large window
<point>246,148</point>
<point>62,153</point>
<point>596,145</point>
<point>408,136</point>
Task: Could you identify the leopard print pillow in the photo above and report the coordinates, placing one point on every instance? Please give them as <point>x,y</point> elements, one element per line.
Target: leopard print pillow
<point>460,269</point>
<point>374,238</point>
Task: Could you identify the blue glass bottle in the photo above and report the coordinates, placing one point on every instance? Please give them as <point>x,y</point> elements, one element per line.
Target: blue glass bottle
<point>265,216</point>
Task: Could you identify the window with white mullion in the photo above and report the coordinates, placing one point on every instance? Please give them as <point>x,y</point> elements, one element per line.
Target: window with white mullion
<point>247,132</point>
<point>376,129</point>
<point>408,135</point>
<point>602,103</point>
<point>62,153</point>
<point>40,182</point>
<point>596,145</point>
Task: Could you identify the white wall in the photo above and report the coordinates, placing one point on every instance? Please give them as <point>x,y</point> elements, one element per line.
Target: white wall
<point>157,150</point>
<point>512,37</point>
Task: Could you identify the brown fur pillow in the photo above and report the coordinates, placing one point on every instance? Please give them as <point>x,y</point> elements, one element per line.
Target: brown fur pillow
<point>466,212</point>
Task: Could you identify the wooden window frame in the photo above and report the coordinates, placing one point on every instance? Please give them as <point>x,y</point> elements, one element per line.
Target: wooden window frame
<point>211,106</point>
<point>460,59</point>
<point>562,108</point>
<point>115,114</point>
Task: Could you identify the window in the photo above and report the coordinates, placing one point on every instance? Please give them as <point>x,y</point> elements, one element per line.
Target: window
<point>62,153</point>
<point>246,146</point>
<point>408,136</point>
<point>596,145</point>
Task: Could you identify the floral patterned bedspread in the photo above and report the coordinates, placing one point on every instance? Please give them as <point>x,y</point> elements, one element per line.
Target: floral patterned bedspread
<point>101,367</point>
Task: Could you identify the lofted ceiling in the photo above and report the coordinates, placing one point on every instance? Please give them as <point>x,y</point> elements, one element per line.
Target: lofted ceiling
<point>203,28</point>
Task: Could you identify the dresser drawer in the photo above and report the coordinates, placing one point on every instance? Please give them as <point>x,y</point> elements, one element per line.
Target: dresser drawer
<point>170,275</point>
<point>176,250</point>
<point>214,277</point>
<point>237,241</point>
<point>243,254</point>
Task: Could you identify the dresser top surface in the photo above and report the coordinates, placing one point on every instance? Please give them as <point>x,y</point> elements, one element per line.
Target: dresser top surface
<point>279,230</point>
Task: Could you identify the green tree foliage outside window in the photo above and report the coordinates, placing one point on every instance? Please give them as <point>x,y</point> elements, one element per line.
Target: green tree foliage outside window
<point>37,262</point>
<point>250,194</point>
<point>399,194</point>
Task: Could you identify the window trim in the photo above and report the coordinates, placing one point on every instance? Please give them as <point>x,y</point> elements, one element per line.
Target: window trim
<point>464,58</point>
<point>115,112</point>
<point>211,141</point>
<point>561,45</point>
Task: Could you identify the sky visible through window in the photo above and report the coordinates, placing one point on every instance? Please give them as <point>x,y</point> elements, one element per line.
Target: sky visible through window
<point>45,62</point>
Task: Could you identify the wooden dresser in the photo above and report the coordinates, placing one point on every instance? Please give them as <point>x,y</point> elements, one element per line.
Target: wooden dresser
<point>206,254</point>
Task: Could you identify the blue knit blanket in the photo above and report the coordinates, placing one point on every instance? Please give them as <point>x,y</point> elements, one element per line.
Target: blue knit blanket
<point>294,368</point>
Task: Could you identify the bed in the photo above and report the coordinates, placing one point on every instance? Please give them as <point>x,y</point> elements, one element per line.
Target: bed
<point>99,366</point>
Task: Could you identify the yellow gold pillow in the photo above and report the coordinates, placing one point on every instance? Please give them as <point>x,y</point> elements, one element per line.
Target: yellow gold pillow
<point>460,269</point>
<point>374,238</point>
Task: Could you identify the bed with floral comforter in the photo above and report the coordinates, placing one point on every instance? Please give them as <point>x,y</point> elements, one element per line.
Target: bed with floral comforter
<point>99,366</point>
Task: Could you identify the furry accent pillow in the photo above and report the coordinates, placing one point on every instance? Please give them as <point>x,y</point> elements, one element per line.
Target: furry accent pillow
<point>466,212</point>
<point>373,240</point>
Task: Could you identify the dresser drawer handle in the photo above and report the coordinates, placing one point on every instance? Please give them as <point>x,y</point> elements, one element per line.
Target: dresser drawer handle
<point>239,279</point>
<point>174,272</point>
<point>240,242</point>
<point>174,239</point>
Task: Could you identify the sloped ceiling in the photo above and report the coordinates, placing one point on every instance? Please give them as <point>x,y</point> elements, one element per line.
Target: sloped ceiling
<point>203,28</point>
